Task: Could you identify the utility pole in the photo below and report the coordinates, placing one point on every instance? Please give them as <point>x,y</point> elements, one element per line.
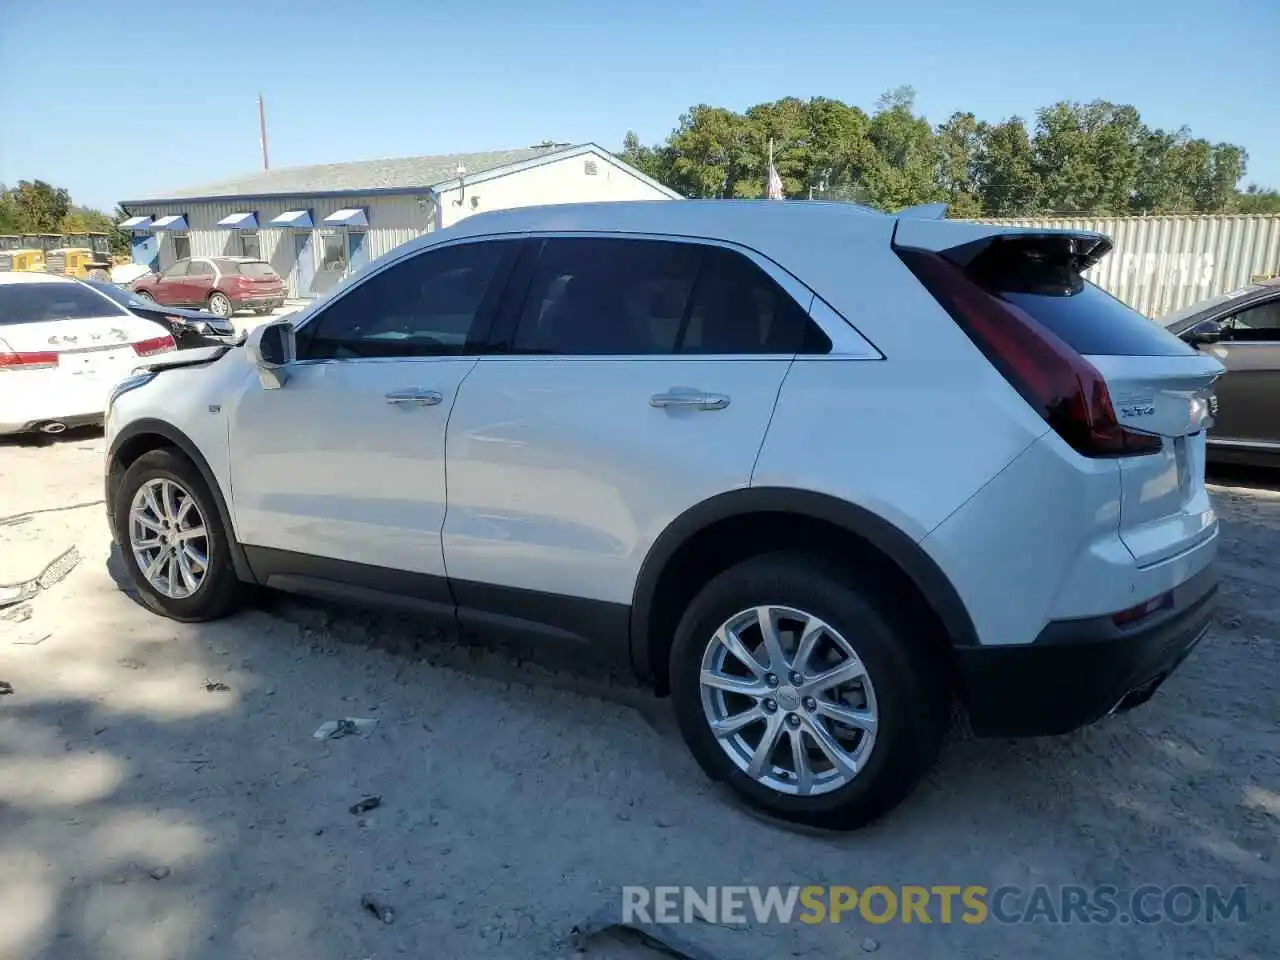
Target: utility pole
<point>262,128</point>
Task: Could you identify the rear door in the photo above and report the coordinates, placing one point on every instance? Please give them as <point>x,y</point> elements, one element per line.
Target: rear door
<point>198,283</point>
<point>636,379</point>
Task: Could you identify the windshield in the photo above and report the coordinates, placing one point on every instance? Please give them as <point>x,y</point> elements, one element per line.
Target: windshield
<point>36,302</point>
<point>1179,320</point>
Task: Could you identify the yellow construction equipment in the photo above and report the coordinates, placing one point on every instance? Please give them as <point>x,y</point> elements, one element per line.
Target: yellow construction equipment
<point>83,255</point>
<point>25,253</point>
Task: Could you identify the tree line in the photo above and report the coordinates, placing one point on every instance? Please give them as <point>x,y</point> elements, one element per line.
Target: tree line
<point>1095,158</point>
<point>34,206</point>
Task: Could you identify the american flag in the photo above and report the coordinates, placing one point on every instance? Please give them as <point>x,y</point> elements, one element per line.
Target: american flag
<point>773,187</point>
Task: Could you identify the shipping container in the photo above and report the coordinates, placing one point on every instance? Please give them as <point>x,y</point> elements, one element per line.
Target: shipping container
<point>1162,263</point>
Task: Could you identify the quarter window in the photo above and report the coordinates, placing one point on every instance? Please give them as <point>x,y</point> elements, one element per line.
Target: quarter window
<point>601,296</point>
<point>432,304</point>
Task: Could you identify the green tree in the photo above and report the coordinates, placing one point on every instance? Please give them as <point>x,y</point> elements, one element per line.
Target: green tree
<point>1258,200</point>
<point>959,144</point>
<point>902,172</point>
<point>1008,183</point>
<point>10,215</point>
<point>41,206</point>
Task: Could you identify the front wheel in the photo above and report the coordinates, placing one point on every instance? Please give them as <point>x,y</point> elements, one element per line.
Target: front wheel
<point>220,305</point>
<point>173,543</point>
<point>143,294</point>
<point>806,693</point>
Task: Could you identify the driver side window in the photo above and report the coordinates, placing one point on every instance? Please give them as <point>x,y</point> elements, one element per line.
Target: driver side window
<point>178,269</point>
<point>434,303</point>
<point>1258,323</point>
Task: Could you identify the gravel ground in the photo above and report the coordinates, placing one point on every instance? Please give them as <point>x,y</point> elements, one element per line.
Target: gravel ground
<point>145,817</point>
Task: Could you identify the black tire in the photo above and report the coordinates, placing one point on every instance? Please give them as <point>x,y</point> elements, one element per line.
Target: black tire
<point>218,297</point>
<point>220,593</point>
<point>146,296</point>
<point>911,691</point>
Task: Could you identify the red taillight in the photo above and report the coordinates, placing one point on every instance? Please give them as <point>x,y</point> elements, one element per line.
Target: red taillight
<point>1142,610</point>
<point>28,361</point>
<point>147,348</point>
<point>1062,386</point>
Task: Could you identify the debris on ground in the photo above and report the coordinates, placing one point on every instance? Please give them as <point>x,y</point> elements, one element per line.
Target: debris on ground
<point>216,686</point>
<point>56,570</point>
<point>870,946</point>
<point>31,638</point>
<point>5,687</point>
<point>378,909</point>
<point>17,614</point>
<point>346,727</point>
<point>158,873</point>
<point>368,803</point>
<point>656,936</point>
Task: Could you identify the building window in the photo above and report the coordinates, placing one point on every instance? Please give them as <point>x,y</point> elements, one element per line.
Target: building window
<point>249,245</point>
<point>334,253</point>
<point>181,246</point>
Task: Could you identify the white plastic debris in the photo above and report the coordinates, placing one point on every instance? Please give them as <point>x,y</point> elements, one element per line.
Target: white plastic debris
<point>346,727</point>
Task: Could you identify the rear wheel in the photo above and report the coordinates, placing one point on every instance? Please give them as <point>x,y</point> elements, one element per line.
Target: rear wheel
<point>146,296</point>
<point>172,540</point>
<point>220,305</point>
<point>806,693</point>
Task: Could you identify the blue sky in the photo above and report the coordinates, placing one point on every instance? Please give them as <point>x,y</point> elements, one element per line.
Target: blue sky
<point>116,101</point>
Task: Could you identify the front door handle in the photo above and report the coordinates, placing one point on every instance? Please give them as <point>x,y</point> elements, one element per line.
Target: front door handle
<point>689,399</point>
<point>414,398</point>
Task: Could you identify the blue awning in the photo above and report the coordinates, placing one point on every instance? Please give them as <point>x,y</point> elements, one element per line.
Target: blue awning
<point>239,221</point>
<point>355,217</point>
<point>136,223</point>
<point>297,219</point>
<point>176,222</point>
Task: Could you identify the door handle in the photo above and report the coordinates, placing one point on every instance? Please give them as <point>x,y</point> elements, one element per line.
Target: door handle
<point>414,398</point>
<point>689,399</point>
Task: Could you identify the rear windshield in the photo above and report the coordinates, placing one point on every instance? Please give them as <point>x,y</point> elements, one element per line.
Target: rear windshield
<point>37,302</point>
<point>1047,284</point>
<point>254,268</point>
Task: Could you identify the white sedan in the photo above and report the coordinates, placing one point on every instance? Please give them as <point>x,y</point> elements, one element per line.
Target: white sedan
<point>63,346</point>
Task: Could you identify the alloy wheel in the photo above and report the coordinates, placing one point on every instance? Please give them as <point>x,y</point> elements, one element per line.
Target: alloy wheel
<point>220,306</point>
<point>789,700</point>
<point>168,537</point>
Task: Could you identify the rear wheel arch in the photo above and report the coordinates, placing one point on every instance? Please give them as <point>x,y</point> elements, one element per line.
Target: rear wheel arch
<point>143,436</point>
<point>730,527</point>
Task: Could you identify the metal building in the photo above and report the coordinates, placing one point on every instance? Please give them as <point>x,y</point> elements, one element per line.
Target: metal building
<point>316,224</point>
<point>1162,263</point>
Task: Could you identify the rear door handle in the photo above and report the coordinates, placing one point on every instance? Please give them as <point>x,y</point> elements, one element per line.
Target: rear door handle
<point>414,398</point>
<point>689,399</point>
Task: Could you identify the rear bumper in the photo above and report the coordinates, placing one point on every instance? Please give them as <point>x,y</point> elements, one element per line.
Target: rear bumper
<point>1079,671</point>
<point>274,301</point>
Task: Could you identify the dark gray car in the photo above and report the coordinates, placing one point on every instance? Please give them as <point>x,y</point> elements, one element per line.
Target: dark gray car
<point>1242,330</point>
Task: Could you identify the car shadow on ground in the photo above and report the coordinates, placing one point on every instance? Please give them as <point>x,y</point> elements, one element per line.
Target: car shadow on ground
<point>146,812</point>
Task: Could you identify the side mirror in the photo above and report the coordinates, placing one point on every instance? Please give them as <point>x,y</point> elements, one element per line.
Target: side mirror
<point>1206,331</point>
<point>271,347</point>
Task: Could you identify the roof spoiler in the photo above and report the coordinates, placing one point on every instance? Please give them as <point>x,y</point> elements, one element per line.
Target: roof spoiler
<point>924,211</point>
<point>960,241</point>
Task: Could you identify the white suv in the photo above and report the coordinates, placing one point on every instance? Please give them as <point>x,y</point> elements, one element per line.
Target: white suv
<point>810,469</point>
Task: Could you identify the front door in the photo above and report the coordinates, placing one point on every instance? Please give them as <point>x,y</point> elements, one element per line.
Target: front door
<point>639,380</point>
<point>304,265</point>
<point>345,462</point>
<point>1249,392</point>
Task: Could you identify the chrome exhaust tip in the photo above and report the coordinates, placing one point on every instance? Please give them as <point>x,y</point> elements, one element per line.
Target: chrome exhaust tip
<point>53,426</point>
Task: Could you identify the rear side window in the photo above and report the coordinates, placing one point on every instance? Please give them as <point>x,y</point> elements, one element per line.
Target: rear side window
<point>1046,284</point>
<point>200,268</point>
<point>596,296</point>
<point>37,302</point>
